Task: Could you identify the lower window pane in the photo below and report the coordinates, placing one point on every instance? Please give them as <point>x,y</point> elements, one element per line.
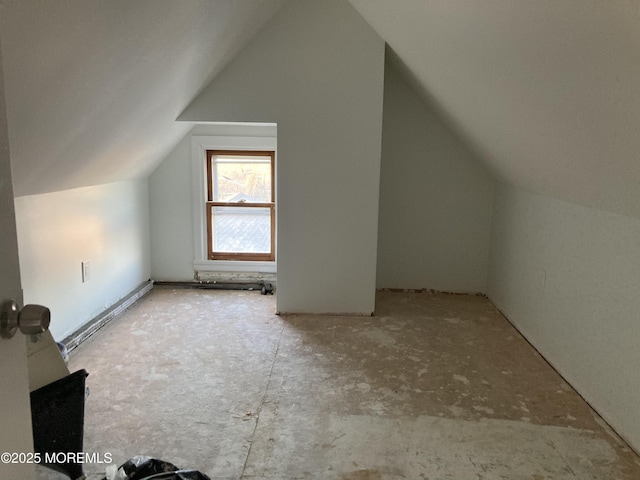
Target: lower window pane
<point>241,229</point>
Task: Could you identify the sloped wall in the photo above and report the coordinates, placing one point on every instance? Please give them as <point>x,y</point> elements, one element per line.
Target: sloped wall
<point>107,225</point>
<point>568,277</point>
<point>317,71</point>
<point>435,200</point>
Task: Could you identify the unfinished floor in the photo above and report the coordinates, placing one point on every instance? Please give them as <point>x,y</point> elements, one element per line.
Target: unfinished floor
<point>432,387</point>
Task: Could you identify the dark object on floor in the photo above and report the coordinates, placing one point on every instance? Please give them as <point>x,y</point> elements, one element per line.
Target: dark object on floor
<point>141,467</point>
<point>57,416</point>
<point>179,475</point>
<point>267,289</point>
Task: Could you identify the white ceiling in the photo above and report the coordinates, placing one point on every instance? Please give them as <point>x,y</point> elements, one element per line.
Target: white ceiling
<point>546,91</point>
<point>93,87</point>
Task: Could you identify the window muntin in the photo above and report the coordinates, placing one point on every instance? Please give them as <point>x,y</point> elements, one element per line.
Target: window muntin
<point>240,205</point>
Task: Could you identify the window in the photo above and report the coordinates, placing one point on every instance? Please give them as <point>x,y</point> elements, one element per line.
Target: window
<point>240,205</point>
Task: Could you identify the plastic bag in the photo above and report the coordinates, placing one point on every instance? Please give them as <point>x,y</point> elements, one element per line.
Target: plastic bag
<point>179,475</point>
<point>146,468</point>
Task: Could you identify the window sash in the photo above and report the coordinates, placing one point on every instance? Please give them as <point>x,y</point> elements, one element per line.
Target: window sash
<point>241,154</point>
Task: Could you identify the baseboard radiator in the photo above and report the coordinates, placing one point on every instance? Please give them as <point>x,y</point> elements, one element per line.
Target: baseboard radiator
<point>96,323</point>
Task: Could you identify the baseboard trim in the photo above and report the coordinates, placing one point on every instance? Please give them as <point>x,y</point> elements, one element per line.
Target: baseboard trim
<point>99,321</point>
<point>429,291</point>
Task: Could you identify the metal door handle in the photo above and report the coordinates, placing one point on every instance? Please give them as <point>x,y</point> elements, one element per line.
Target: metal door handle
<point>31,319</point>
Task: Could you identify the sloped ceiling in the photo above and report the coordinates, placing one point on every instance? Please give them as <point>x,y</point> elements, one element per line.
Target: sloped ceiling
<point>546,91</point>
<point>94,87</point>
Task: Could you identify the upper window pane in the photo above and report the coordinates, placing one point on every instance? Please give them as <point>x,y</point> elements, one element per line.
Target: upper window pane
<point>241,179</point>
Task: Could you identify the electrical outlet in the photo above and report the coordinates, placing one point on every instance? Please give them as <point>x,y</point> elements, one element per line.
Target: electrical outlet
<point>85,271</point>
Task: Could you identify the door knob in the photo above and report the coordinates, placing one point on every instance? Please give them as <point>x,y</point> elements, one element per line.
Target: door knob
<point>31,319</point>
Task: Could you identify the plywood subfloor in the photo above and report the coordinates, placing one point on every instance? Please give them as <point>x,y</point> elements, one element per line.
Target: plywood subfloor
<point>432,387</point>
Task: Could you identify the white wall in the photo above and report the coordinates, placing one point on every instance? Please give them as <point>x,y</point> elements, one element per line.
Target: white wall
<point>317,71</point>
<point>435,200</point>
<point>171,230</point>
<point>107,225</point>
<point>568,277</point>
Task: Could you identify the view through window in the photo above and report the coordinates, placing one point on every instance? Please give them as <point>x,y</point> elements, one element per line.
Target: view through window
<point>240,205</point>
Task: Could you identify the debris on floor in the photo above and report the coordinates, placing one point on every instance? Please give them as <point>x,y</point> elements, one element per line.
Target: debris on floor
<point>433,386</point>
<point>141,467</point>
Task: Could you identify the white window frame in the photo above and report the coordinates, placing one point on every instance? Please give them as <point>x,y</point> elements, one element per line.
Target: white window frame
<point>199,146</point>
